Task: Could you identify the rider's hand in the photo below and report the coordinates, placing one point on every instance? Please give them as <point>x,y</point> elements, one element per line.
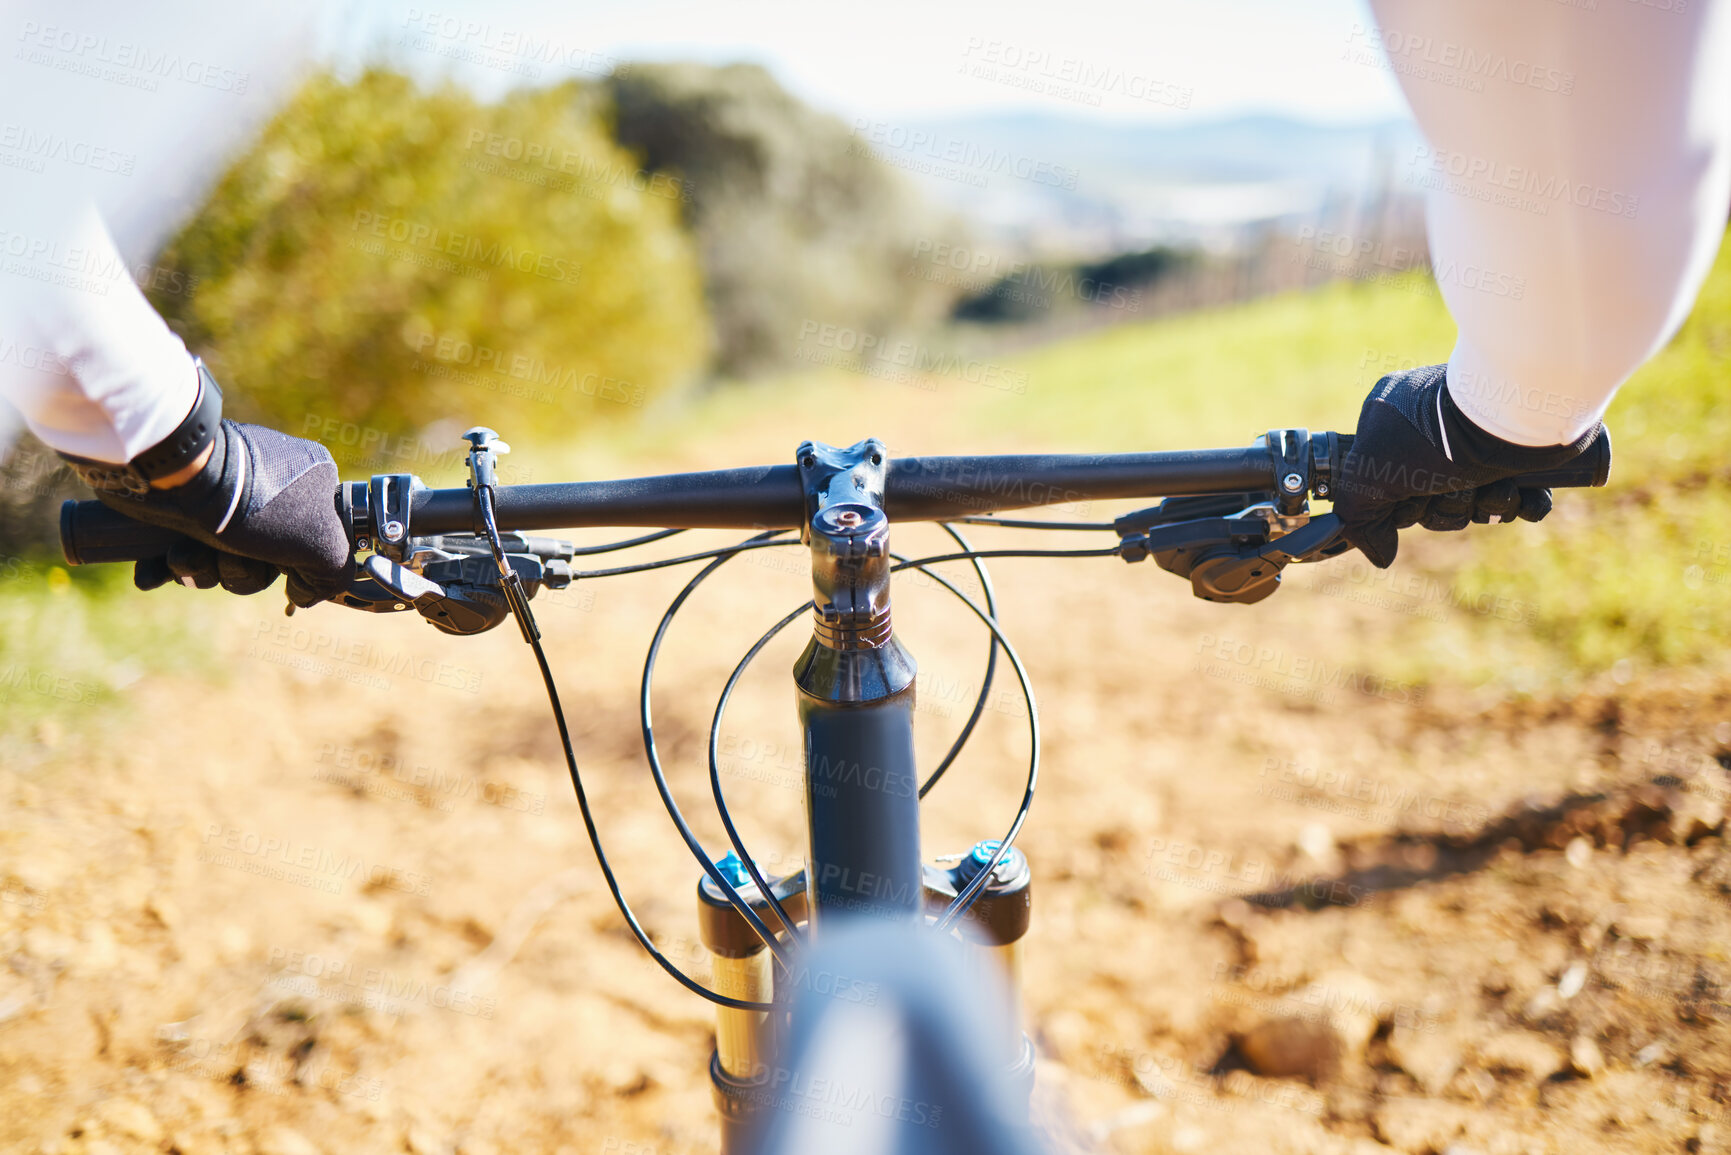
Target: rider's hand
<point>1417,460</point>
<point>261,503</point>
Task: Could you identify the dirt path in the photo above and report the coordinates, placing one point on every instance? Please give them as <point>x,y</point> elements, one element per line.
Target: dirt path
<point>342,901</point>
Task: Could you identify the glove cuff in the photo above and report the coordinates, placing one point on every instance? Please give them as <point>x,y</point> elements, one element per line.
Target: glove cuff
<point>1473,455</point>
<point>201,426</point>
<point>1473,444</point>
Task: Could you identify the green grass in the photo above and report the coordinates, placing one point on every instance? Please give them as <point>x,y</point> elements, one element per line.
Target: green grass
<point>72,640</point>
<point>1638,572</point>
<point>1224,376</point>
<point>1641,570</point>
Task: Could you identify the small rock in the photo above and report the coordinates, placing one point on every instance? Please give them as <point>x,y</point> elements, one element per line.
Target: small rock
<point>130,1118</point>
<point>49,946</point>
<point>1522,1051</point>
<point>1579,853</point>
<point>1650,1054</point>
<point>1696,815</point>
<point>1353,1005</point>
<point>198,1143</point>
<point>1544,1002</point>
<point>372,916</point>
<point>44,870</point>
<point>100,952</point>
<point>1420,1124</point>
<point>1317,841</point>
<point>233,942</point>
<point>1190,1138</point>
<point>1235,913</point>
<point>285,1141</point>
<point>164,910</point>
<point>1286,1048</point>
<point>1572,981</point>
<point>1429,1057</point>
<point>1643,927</point>
<point>1585,1058</point>
<point>421,1141</point>
<point>17,997</point>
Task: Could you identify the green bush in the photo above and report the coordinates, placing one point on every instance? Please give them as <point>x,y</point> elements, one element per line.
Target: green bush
<point>798,220</point>
<point>386,257</point>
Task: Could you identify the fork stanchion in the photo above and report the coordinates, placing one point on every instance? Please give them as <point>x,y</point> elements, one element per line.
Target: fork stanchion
<point>994,927</point>
<point>741,1069</point>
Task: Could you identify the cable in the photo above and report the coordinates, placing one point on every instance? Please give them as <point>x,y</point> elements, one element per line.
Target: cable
<point>991,664</point>
<point>959,905</point>
<point>721,704</point>
<point>729,551</point>
<point>659,775</point>
<point>518,602</point>
<point>965,899</point>
<point>922,562</point>
<point>1025,523</point>
<point>484,498</point>
<point>715,771</point>
<point>658,535</point>
<point>724,553</point>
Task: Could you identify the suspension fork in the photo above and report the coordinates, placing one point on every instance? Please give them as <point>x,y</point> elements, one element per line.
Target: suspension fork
<point>855,691</point>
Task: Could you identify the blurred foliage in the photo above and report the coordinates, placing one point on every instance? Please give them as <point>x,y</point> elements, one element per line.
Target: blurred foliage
<point>385,257</point>
<point>797,219</point>
<point>33,483</point>
<point>71,639</point>
<point>1037,289</point>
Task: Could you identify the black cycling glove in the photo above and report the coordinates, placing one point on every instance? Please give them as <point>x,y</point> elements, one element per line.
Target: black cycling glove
<point>1417,460</point>
<point>264,503</point>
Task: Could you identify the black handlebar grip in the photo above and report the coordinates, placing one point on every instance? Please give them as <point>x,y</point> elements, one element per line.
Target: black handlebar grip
<point>1588,471</point>
<point>1592,468</point>
<point>90,532</point>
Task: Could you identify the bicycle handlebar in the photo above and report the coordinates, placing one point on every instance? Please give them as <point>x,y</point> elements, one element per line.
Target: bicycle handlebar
<point>771,496</point>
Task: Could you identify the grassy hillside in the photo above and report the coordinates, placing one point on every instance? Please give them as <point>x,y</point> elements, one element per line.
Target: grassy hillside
<point>1638,573</point>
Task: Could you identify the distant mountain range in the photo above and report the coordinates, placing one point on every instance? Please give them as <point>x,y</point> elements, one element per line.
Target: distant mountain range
<point>1055,182</point>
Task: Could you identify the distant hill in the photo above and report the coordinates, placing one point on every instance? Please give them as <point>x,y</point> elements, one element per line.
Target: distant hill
<point>1087,185</point>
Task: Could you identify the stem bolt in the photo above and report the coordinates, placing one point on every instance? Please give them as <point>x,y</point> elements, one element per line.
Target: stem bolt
<point>1292,483</point>
<point>394,529</point>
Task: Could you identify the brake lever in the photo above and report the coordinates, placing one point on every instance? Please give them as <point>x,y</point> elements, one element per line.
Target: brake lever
<point>1234,559</point>
<point>458,593</point>
<point>456,607</point>
<point>1318,540</point>
<point>404,582</point>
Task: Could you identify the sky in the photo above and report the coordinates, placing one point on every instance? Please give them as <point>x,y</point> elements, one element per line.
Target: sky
<point>1132,60</point>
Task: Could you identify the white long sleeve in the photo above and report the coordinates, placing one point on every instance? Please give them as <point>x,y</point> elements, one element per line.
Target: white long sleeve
<point>91,366</point>
<point>115,118</point>
<point>1578,175</point>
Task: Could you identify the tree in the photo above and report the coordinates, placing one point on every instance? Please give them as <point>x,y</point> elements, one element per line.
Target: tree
<point>386,257</point>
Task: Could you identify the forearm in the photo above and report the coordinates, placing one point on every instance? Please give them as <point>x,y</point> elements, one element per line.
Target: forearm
<point>92,368</point>
<point>1577,182</point>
